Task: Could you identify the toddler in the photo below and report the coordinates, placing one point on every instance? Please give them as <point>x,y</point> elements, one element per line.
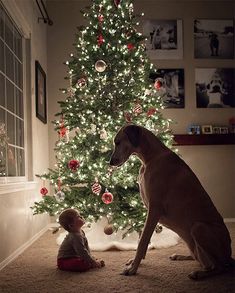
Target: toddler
<point>74,253</point>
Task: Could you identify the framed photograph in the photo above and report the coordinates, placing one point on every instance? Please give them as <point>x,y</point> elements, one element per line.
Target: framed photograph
<point>207,129</point>
<point>194,129</point>
<point>164,38</point>
<point>215,87</point>
<point>223,130</point>
<point>216,129</point>
<point>214,38</point>
<point>40,87</point>
<point>172,86</point>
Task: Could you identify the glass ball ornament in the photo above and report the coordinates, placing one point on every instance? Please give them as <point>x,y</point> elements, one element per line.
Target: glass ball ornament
<point>107,197</point>
<point>108,229</point>
<point>81,83</point>
<point>96,188</point>
<point>159,83</point>
<point>100,65</point>
<point>73,165</point>
<point>151,111</point>
<point>60,196</point>
<point>137,109</point>
<point>43,191</point>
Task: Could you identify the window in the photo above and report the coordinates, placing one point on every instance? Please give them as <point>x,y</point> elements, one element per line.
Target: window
<point>12,144</point>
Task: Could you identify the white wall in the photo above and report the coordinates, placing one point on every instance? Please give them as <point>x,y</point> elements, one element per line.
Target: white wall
<point>17,224</point>
<point>214,165</point>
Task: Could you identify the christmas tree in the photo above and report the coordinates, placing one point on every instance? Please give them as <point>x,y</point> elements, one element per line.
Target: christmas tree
<point>109,86</point>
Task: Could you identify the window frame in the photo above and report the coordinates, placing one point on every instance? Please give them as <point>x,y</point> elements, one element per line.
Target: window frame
<point>22,27</point>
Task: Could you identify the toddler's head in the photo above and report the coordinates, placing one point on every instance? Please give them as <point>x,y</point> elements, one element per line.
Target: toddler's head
<point>70,219</point>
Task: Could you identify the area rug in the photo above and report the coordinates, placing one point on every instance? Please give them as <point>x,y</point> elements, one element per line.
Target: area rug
<point>35,271</point>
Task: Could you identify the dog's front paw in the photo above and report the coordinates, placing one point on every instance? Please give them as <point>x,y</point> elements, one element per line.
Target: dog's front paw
<point>129,271</point>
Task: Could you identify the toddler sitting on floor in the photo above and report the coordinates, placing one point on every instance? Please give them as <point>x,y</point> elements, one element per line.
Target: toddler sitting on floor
<point>74,253</point>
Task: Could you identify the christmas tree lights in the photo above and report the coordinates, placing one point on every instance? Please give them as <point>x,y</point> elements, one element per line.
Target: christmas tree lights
<point>109,86</point>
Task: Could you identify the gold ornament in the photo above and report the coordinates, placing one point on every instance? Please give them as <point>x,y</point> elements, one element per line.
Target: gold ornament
<point>108,230</point>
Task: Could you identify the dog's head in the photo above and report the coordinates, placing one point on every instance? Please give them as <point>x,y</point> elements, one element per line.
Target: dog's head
<point>216,85</point>
<point>126,142</point>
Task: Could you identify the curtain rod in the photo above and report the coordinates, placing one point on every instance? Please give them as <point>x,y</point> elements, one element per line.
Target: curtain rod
<point>46,18</point>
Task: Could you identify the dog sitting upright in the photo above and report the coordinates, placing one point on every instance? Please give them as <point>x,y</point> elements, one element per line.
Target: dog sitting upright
<point>175,198</point>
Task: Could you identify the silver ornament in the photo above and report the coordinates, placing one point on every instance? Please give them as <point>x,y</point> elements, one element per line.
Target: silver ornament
<point>60,196</point>
<point>100,65</point>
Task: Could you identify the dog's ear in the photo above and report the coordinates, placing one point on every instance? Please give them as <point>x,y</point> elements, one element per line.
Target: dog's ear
<point>133,132</point>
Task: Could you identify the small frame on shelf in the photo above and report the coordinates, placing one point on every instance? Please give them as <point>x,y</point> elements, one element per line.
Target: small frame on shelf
<point>194,129</point>
<point>207,129</point>
<point>224,130</point>
<point>40,88</point>
<point>216,129</point>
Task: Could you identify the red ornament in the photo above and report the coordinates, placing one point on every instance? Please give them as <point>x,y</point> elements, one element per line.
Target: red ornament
<point>96,188</point>
<point>107,197</point>
<point>63,129</point>
<point>130,46</point>
<point>43,191</point>
<point>100,17</point>
<point>158,84</point>
<point>73,165</point>
<point>100,40</point>
<point>151,111</point>
<point>116,2</point>
<point>81,82</point>
<point>128,117</point>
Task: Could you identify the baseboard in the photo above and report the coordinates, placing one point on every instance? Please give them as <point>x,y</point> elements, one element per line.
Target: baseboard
<point>229,220</point>
<point>22,248</point>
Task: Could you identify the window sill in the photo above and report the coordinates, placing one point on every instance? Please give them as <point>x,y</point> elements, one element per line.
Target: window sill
<point>16,187</point>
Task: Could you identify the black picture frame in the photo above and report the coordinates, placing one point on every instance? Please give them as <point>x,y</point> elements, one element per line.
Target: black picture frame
<point>40,93</point>
<point>214,38</point>
<point>215,87</point>
<point>172,90</point>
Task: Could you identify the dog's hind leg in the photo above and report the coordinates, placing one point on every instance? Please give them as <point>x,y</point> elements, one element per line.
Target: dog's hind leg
<point>181,257</point>
<point>212,249</point>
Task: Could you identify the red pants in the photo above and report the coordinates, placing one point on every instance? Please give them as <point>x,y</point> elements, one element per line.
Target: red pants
<point>76,264</point>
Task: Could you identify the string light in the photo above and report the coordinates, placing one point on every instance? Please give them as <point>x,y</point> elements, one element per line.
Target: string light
<point>99,105</point>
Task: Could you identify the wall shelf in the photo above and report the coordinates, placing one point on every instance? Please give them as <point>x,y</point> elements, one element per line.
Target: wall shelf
<point>204,139</point>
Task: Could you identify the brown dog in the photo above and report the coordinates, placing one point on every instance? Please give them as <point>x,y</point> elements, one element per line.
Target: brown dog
<point>174,197</point>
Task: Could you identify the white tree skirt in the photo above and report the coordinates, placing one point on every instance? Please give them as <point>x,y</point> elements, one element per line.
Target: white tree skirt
<point>99,241</point>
